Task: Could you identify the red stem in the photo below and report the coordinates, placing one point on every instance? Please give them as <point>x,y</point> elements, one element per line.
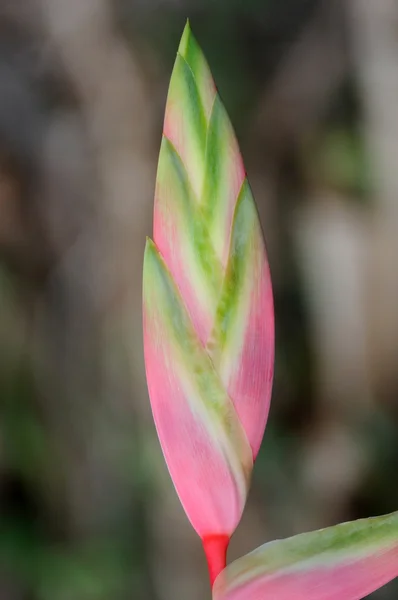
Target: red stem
<point>215,547</point>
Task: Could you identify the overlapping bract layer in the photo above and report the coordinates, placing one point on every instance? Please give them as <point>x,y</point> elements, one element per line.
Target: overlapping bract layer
<point>344,562</point>
<point>208,309</point>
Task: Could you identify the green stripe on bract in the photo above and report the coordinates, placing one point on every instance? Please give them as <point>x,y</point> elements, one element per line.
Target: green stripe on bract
<point>188,120</point>
<point>160,288</point>
<point>215,408</point>
<point>342,543</point>
<point>216,196</point>
<point>190,50</point>
<point>172,177</point>
<point>234,301</point>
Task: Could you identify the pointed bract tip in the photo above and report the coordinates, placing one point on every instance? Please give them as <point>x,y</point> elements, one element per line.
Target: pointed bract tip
<point>149,245</point>
<point>151,257</point>
<point>185,39</point>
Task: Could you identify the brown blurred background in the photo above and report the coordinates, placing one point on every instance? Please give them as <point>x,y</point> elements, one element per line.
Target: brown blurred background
<point>87,509</point>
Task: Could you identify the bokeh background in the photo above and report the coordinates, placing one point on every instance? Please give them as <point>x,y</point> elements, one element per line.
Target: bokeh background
<point>87,509</point>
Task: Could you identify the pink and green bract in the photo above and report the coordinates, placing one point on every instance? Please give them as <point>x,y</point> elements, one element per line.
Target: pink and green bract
<point>208,308</point>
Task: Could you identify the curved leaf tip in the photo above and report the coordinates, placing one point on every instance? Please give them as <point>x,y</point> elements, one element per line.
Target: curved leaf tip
<point>344,562</point>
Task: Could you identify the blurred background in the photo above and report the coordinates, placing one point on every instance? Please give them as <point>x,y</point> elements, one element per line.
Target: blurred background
<point>87,509</point>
